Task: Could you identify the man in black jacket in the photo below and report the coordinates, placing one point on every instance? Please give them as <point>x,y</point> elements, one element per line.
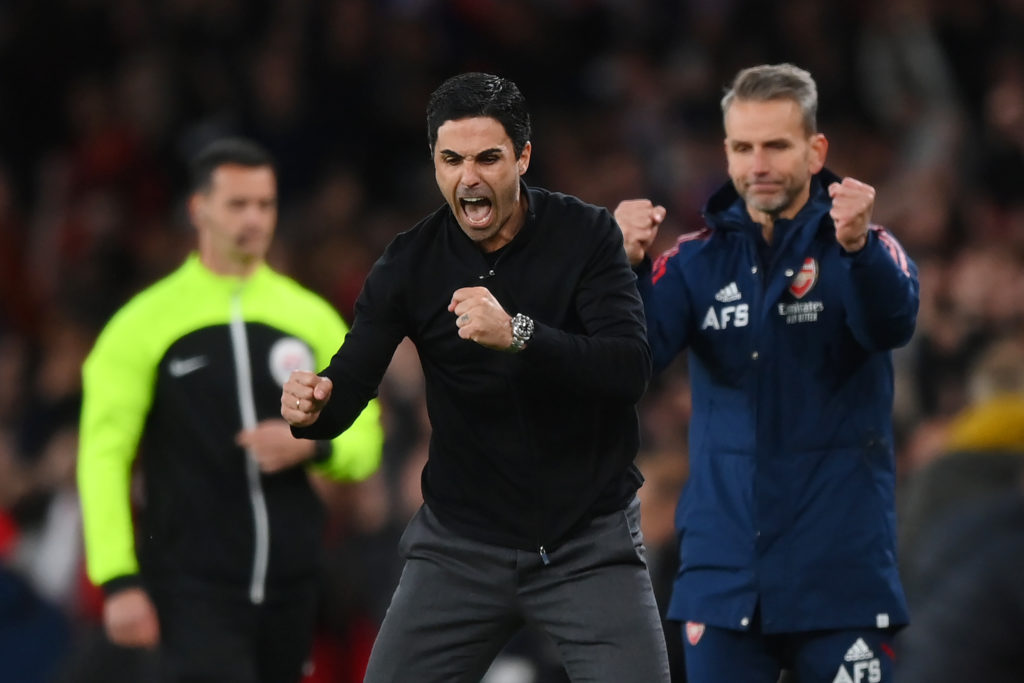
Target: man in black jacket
<point>221,571</point>
<point>530,331</point>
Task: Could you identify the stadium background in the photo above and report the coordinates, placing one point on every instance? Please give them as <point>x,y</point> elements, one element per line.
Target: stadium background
<point>103,101</point>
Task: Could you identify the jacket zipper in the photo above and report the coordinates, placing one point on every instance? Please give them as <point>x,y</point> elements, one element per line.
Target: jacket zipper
<point>541,550</point>
<point>247,407</point>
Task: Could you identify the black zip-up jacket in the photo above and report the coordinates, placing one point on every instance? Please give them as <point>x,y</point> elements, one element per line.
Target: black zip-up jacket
<point>174,376</point>
<point>525,447</point>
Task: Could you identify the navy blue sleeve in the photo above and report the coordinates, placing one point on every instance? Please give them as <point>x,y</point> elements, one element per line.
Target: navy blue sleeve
<point>883,299</point>
<point>667,306</point>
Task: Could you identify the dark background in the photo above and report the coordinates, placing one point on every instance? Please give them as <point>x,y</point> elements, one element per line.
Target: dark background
<point>103,101</point>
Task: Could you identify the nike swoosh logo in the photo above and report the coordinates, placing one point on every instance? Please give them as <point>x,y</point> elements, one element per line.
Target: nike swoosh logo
<point>179,367</point>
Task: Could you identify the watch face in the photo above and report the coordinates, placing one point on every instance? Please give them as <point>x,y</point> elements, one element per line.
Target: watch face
<point>522,330</point>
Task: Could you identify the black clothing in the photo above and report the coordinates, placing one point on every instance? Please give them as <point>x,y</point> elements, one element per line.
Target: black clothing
<point>526,447</point>
<point>175,375</point>
<point>207,637</point>
<point>969,612</point>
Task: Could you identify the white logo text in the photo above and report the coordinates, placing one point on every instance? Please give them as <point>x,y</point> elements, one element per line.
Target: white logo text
<point>737,316</point>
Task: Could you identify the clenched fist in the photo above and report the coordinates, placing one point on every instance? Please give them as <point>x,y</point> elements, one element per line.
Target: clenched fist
<point>852,203</point>
<point>303,396</point>
<point>638,220</point>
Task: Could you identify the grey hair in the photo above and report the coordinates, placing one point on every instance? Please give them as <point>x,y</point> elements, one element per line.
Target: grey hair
<point>776,82</point>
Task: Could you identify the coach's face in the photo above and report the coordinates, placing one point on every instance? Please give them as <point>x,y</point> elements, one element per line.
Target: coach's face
<point>235,217</point>
<point>771,156</point>
<point>478,173</point>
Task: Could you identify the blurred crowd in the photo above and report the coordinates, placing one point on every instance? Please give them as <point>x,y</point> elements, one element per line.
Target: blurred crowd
<point>103,101</point>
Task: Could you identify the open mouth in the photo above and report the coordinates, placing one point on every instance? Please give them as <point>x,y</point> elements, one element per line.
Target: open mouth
<point>476,209</point>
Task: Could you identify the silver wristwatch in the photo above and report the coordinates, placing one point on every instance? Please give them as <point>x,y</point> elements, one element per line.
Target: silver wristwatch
<point>522,330</point>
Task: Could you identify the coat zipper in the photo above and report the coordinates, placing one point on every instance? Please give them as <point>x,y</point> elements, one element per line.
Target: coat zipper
<point>541,550</point>
<point>247,407</point>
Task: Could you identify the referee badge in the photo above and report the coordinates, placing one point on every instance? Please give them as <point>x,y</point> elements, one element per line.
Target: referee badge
<point>287,354</point>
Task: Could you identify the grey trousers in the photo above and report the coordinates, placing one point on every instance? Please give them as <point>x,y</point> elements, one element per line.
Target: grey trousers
<point>459,601</point>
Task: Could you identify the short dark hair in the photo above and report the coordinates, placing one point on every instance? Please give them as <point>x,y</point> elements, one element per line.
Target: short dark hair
<point>478,94</point>
<point>239,151</point>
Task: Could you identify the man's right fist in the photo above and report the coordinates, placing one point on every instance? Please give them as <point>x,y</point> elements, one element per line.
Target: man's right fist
<point>303,397</point>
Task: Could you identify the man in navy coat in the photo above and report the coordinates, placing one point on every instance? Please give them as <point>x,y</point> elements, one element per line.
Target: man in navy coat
<point>789,303</point>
